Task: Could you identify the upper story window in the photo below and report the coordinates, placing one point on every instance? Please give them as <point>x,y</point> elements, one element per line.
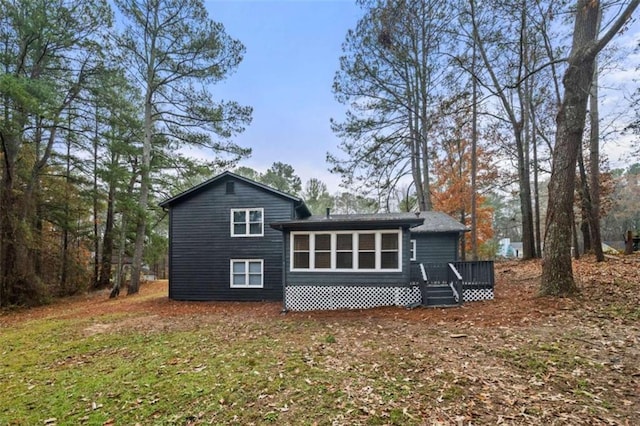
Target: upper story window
<point>247,222</point>
<point>346,251</point>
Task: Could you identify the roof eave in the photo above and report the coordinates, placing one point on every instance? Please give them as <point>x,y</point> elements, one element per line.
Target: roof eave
<point>169,202</point>
<point>343,225</point>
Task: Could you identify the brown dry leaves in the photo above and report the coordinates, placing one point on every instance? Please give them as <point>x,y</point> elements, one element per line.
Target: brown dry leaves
<point>520,359</point>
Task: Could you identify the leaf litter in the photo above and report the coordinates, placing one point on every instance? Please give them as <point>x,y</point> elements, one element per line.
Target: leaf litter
<point>519,359</point>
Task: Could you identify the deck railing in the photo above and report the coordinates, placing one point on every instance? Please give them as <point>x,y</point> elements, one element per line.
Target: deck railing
<point>468,281</point>
<point>474,274</point>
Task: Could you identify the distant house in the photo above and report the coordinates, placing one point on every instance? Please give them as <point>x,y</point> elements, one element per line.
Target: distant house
<point>231,238</point>
<point>509,249</point>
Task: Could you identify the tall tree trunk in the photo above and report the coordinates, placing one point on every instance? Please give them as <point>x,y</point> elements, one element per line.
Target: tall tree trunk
<point>9,203</point>
<point>8,238</point>
<point>96,236</point>
<point>65,231</point>
<point>145,171</point>
<point>557,272</point>
<point>594,163</point>
<point>107,240</point>
<point>585,203</point>
<point>528,246</point>
<point>536,182</point>
<point>474,157</point>
<point>115,290</point>
<point>574,233</point>
<point>524,180</point>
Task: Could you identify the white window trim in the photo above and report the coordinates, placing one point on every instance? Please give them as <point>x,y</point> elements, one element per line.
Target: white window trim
<point>246,274</point>
<point>412,250</point>
<point>378,237</point>
<point>247,222</point>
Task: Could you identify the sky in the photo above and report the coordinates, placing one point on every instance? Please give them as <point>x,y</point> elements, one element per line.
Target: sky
<point>292,53</point>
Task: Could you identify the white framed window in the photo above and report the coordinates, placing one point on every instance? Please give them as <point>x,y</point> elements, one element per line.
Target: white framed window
<point>412,250</point>
<point>346,251</point>
<point>247,222</point>
<point>247,273</point>
<point>389,250</point>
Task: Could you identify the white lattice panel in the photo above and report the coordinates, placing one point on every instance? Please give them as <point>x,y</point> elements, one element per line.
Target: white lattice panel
<point>477,294</point>
<point>308,298</point>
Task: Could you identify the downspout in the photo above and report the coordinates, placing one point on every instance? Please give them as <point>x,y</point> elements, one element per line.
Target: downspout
<point>284,272</point>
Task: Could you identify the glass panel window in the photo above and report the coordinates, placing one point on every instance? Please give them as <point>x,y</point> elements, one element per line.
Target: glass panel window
<point>366,251</point>
<point>238,267</point>
<point>323,242</point>
<point>366,260</point>
<point>367,242</point>
<point>412,250</point>
<point>255,216</point>
<point>301,242</point>
<point>301,260</point>
<point>255,267</point>
<point>247,222</point>
<point>247,273</point>
<point>301,251</point>
<point>239,216</point>
<point>255,228</point>
<point>322,251</point>
<point>344,251</point>
<point>389,252</point>
<point>390,242</point>
<point>255,273</point>
<point>389,260</point>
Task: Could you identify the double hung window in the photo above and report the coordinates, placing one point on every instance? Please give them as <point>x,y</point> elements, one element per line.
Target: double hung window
<point>246,273</point>
<point>247,222</point>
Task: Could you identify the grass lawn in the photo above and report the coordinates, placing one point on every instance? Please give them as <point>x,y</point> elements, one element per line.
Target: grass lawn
<point>147,360</point>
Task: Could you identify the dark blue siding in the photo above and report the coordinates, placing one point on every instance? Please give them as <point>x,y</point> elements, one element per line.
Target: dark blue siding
<point>202,246</point>
<point>330,278</point>
<point>436,247</point>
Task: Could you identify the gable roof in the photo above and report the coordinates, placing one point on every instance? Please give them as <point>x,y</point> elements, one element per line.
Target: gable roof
<point>299,203</point>
<point>350,221</point>
<point>438,222</point>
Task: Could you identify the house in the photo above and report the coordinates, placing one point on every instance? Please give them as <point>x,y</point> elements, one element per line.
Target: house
<point>220,244</point>
<point>231,238</point>
<point>509,249</point>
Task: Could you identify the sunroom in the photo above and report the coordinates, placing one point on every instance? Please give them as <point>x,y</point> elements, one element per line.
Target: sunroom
<point>348,261</point>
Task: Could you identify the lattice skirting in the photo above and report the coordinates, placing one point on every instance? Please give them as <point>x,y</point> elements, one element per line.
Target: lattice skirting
<point>309,298</point>
<point>477,294</point>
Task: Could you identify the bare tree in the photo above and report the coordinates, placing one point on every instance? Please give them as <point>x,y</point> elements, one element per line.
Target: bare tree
<point>557,273</point>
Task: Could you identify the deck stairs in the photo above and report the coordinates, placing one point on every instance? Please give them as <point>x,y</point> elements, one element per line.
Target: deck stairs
<point>438,293</point>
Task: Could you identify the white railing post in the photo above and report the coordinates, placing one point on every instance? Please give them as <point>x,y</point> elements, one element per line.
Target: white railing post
<point>456,295</point>
<point>424,273</point>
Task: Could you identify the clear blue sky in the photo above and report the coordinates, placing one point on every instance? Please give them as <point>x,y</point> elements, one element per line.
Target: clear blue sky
<point>292,53</point>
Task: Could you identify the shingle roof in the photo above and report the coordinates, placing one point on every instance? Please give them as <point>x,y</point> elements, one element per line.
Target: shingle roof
<point>422,223</point>
<point>438,222</point>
